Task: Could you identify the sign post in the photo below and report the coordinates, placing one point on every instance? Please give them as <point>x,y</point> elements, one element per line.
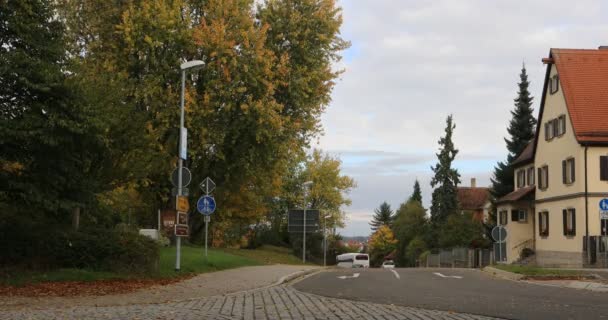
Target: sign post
<point>499,234</point>
<point>206,205</point>
<point>603,204</point>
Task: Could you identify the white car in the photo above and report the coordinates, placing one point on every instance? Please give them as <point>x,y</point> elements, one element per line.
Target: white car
<point>388,264</point>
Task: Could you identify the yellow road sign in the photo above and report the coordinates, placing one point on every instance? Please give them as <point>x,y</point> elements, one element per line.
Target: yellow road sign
<point>182,204</point>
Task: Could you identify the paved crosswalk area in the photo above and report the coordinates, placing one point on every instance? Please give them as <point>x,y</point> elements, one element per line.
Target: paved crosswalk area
<point>279,302</point>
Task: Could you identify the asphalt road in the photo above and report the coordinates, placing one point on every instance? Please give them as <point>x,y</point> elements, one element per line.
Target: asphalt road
<point>474,292</point>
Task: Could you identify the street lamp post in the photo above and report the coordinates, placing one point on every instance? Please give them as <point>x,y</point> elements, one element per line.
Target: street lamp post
<point>305,185</point>
<point>182,151</point>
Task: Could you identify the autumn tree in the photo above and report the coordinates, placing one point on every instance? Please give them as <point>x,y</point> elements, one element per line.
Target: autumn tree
<point>381,243</point>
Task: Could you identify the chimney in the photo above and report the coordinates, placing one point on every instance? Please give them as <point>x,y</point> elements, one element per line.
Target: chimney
<point>602,48</point>
<point>473,183</point>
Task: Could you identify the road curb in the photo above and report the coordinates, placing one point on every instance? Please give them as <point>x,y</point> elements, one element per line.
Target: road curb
<point>503,274</point>
<point>295,275</point>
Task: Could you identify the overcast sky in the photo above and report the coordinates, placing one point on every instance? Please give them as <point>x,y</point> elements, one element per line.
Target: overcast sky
<point>414,62</point>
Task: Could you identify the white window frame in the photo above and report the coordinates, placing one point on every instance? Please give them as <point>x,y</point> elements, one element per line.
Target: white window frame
<point>530,175</point>
<point>521,178</point>
<point>522,215</point>
<point>549,130</point>
<point>561,125</point>
<point>569,170</point>
<point>570,215</point>
<point>543,222</point>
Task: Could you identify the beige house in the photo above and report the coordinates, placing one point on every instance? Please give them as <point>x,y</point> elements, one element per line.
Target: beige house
<point>561,177</point>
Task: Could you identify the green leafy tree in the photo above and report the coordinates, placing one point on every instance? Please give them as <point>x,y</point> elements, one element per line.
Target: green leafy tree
<point>414,249</point>
<point>461,230</point>
<point>52,150</point>
<point>522,128</point>
<point>417,194</point>
<point>383,216</point>
<point>410,223</point>
<point>446,179</point>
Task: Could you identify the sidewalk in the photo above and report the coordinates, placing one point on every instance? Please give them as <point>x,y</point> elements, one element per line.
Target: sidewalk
<point>204,285</point>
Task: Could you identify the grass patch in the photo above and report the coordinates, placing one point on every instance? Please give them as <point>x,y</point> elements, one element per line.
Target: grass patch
<point>268,255</point>
<point>192,262</point>
<point>537,271</point>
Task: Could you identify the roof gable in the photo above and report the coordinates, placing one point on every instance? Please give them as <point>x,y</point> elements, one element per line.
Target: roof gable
<point>472,198</point>
<point>583,78</point>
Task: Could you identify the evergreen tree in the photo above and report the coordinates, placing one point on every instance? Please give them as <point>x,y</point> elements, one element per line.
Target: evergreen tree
<point>417,194</point>
<point>445,201</point>
<point>522,128</point>
<point>383,216</point>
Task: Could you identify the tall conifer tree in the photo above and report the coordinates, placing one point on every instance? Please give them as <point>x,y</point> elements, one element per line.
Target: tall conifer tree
<point>383,216</point>
<point>445,201</point>
<point>522,128</point>
<point>417,194</point>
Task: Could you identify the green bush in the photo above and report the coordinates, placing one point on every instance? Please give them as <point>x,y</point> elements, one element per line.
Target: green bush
<point>41,246</point>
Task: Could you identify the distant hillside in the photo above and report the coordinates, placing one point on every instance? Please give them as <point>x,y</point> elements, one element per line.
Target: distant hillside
<point>358,238</point>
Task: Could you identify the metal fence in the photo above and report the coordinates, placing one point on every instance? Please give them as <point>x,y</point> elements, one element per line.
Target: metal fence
<point>459,258</point>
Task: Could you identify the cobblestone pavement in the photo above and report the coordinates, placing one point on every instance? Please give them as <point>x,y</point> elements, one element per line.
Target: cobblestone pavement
<point>278,302</point>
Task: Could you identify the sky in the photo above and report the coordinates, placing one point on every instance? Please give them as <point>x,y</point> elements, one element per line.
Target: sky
<point>412,63</point>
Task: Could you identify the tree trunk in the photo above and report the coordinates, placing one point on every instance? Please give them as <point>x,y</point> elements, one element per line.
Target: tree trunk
<point>76,218</point>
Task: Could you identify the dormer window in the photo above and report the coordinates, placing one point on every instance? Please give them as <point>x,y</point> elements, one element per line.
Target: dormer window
<point>554,84</point>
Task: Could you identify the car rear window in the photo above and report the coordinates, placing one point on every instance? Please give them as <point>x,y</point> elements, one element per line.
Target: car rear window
<point>390,263</point>
<point>361,257</point>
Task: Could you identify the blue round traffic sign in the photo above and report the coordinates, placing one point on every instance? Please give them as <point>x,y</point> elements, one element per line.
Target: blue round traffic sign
<point>604,204</point>
<point>205,205</point>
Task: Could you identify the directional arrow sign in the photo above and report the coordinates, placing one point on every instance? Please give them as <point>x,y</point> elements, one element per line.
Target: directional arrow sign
<point>355,275</point>
<point>444,276</point>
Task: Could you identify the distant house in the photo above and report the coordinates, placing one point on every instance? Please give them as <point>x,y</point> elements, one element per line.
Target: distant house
<point>476,200</point>
<point>559,207</point>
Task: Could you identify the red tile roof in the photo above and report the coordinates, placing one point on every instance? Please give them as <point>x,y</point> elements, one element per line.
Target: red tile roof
<point>472,198</point>
<point>518,194</point>
<point>583,76</point>
<point>526,156</point>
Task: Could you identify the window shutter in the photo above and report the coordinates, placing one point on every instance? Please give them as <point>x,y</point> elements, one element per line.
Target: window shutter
<point>564,171</point>
<point>565,214</point>
<point>547,214</point>
<point>546,177</point>
<point>514,215</point>
<point>540,178</point>
<point>540,223</point>
<point>604,168</point>
<point>573,233</point>
<point>563,124</point>
<point>547,131</point>
<point>572,170</point>
<point>555,128</point>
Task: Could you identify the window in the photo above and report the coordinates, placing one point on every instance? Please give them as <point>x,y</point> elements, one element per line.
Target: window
<point>522,215</point>
<point>604,168</point>
<point>543,223</point>
<point>502,218</point>
<point>521,178</point>
<point>568,171</point>
<point>569,222</point>
<point>362,257</point>
<point>543,177</point>
<point>554,84</point>
<point>561,125</point>
<point>549,131</point>
<point>531,176</point>
<point>519,215</point>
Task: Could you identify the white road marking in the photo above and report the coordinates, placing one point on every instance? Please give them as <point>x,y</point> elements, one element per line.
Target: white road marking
<point>443,276</point>
<point>355,275</point>
<point>395,273</point>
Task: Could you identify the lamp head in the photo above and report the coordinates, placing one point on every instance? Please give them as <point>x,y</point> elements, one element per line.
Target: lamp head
<point>194,64</point>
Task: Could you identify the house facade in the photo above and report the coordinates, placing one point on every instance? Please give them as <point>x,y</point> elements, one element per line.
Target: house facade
<point>476,200</point>
<point>562,176</point>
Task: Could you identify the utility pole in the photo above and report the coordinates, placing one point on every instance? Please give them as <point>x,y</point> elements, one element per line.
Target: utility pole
<point>182,146</point>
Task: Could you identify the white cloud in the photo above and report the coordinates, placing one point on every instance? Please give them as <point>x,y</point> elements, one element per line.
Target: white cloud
<point>414,62</point>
